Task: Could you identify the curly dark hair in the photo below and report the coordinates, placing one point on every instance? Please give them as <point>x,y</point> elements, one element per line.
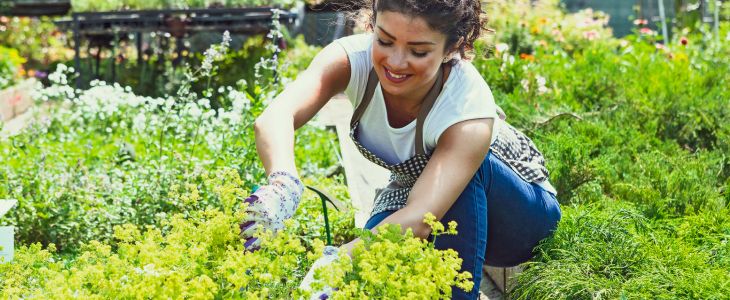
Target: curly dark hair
<point>462,21</point>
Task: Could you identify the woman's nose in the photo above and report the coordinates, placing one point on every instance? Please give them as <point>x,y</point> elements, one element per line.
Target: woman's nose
<point>397,60</point>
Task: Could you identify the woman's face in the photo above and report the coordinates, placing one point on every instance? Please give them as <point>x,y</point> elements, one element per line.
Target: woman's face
<point>407,54</point>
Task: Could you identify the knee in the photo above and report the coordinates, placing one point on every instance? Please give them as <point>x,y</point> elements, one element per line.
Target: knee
<point>554,213</point>
<point>376,219</point>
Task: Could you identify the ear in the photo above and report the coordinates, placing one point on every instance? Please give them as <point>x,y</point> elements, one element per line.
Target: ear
<point>454,51</point>
<point>457,46</point>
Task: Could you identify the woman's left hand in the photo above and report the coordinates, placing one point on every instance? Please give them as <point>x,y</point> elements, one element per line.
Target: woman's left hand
<point>329,255</point>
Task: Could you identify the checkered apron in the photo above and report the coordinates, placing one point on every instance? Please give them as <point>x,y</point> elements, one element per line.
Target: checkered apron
<point>510,145</point>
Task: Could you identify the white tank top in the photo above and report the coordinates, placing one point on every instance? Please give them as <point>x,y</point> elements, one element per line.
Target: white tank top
<point>465,96</point>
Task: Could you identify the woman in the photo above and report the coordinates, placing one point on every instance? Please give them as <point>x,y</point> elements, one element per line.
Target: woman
<point>423,112</point>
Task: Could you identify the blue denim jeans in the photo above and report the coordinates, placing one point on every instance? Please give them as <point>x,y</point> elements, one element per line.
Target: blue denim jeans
<point>500,218</point>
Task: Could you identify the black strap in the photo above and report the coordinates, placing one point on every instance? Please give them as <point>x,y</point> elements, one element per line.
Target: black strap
<point>369,92</point>
<point>426,106</point>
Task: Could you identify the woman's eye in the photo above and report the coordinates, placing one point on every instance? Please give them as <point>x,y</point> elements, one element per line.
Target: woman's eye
<point>420,54</point>
<point>382,43</point>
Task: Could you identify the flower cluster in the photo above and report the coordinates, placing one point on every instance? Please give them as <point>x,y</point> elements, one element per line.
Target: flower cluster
<point>390,265</point>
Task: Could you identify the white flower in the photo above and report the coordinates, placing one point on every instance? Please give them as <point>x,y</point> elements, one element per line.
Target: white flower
<point>139,123</point>
<point>195,111</point>
<point>540,80</point>
<point>204,102</point>
<point>226,39</point>
<point>501,47</point>
<point>541,88</point>
<point>240,101</point>
<point>525,84</point>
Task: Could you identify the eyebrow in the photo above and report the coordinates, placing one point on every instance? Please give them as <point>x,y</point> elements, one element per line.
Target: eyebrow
<point>409,43</point>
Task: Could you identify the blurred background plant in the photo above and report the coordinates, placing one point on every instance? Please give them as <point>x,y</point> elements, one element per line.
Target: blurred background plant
<point>11,66</point>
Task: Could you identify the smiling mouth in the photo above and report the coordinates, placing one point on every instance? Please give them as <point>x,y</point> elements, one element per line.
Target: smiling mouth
<point>395,77</point>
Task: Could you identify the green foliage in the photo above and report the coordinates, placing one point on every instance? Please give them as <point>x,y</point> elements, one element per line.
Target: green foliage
<point>37,40</point>
<point>635,136</point>
<point>609,250</point>
<point>197,255</point>
<point>10,65</point>
<point>111,157</point>
<point>390,265</point>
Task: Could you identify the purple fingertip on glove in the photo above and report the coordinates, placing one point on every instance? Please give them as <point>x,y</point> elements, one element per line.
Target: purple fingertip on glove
<point>324,296</point>
<point>246,225</point>
<point>251,199</point>
<point>250,242</point>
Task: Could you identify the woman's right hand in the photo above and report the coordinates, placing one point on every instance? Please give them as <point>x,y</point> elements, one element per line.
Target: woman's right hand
<point>270,205</point>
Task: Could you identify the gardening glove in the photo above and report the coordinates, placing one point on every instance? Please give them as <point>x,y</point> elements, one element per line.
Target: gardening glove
<point>328,256</point>
<point>270,205</point>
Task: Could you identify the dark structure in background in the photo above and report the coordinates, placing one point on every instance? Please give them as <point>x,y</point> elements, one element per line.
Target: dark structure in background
<point>34,8</point>
<point>621,12</point>
<point>106,29</point>
<point>328,21</point>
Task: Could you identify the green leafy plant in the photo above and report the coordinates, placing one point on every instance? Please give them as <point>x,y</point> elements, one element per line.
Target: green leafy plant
<point>10,65</point>
<point>391,265</point>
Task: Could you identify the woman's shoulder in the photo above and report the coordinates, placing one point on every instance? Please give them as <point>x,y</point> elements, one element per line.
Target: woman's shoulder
<point>358,48</point>
<point>465,97</point>
<point>467,84</point>
<point>470,72</point>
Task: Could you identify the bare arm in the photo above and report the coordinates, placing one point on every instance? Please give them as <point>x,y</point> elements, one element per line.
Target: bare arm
<point>461,150</point>
<point>327,75</point>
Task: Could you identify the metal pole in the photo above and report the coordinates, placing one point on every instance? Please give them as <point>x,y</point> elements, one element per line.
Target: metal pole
<point>98,62</point>
<point>665,36</point>
<point>718,3</point>
<point>703,7</point>
<point>113,58</point>
<point>77,49</point>
<point>139,49</point>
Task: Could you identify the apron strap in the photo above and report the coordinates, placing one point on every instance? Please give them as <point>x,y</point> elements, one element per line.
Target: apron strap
<point>369,92</point>
<point>426,106</point>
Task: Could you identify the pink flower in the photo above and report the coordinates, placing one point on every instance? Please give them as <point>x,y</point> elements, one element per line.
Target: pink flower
<point>558,35</point>
<point>684,41</point>
<point>590,35</point>
<point>646,31</point>
<point>641,22</point>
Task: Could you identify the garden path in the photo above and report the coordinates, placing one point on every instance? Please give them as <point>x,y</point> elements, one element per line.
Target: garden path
<point>363,177</point>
